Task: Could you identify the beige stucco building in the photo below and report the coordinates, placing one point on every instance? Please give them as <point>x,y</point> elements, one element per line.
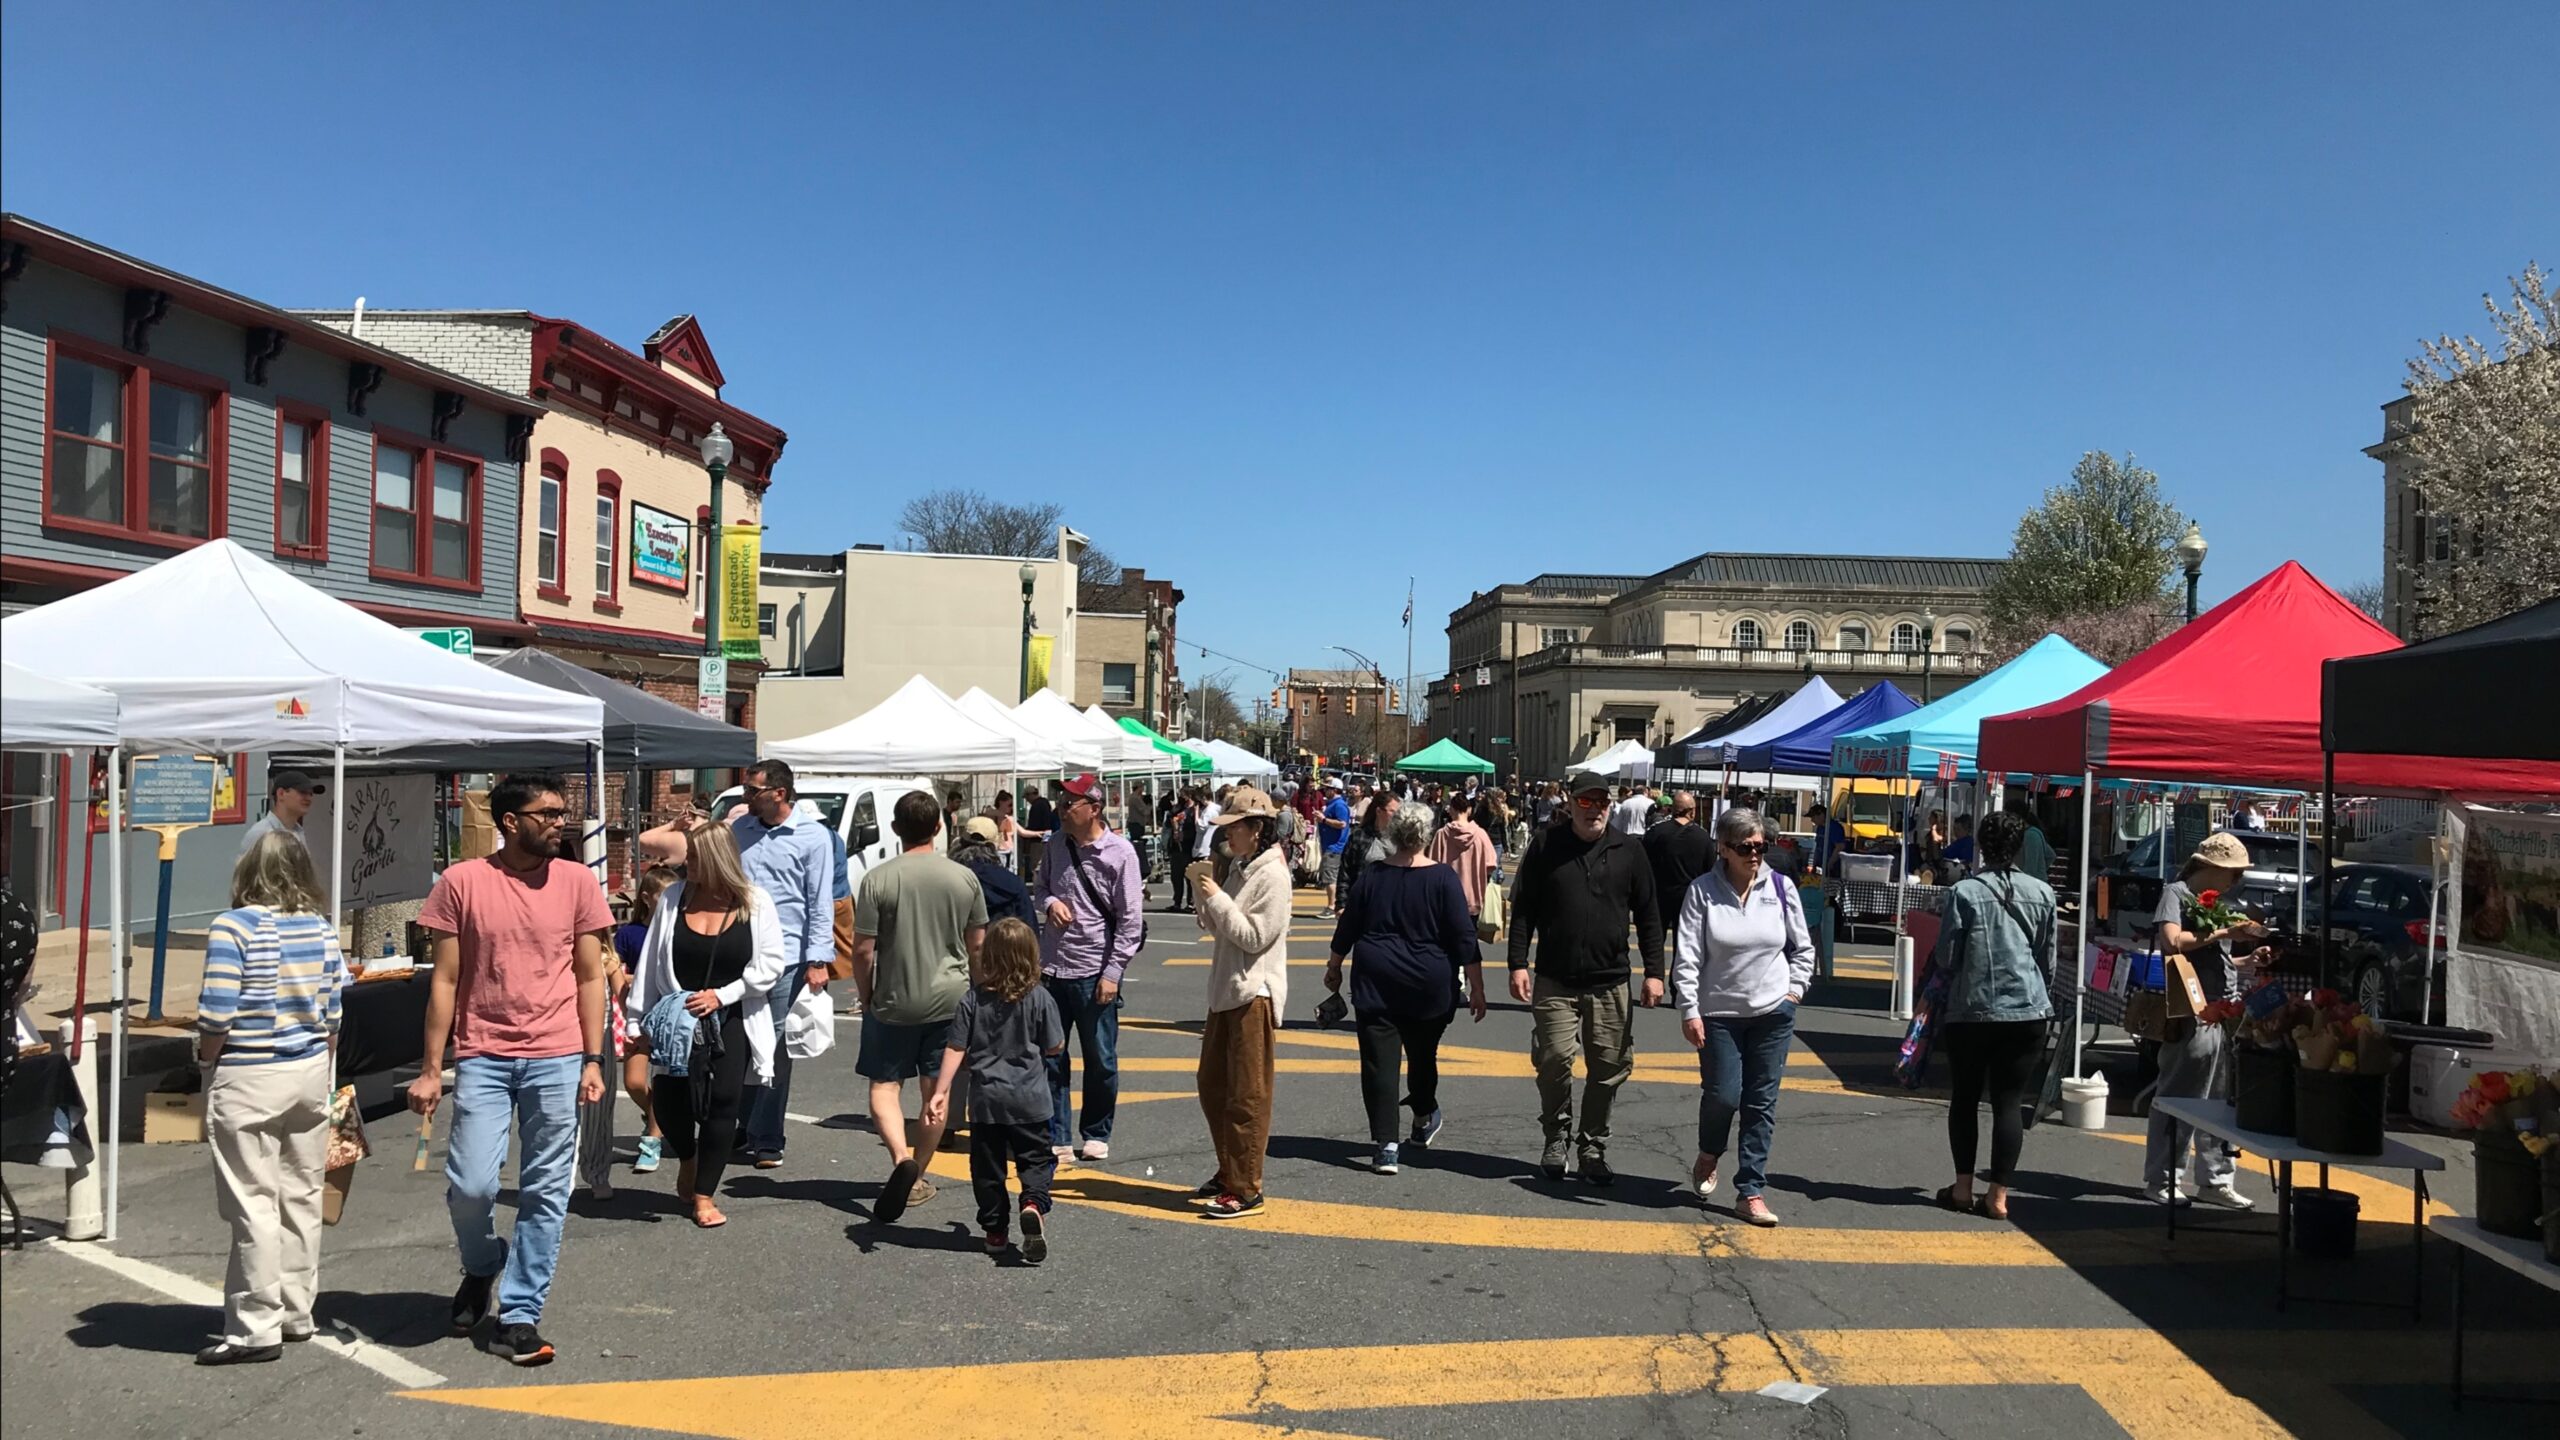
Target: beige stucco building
<point>1544,671</point>
<point>845,629</point>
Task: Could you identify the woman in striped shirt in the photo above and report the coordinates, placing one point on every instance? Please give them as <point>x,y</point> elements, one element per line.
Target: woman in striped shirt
<point>268,1026</point>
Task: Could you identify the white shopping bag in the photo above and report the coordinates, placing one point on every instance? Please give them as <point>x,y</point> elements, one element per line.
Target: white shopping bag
<point>809,1031</point>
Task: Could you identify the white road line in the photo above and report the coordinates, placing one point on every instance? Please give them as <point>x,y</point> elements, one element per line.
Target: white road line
<point>187,1291</point>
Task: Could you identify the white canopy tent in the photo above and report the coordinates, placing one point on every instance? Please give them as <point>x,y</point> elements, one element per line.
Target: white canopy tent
<point>1626,760</point>
<point>917,731</point>
<point>40,713</point>
<point>218,649</point>
<point>1033,751</point>
<point>1053,717</point>
<point>1234,762</point>
<point>1134,754</point>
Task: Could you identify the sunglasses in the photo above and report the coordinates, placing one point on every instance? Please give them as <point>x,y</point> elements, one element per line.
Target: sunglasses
<point>1750,847</point>
<point>1592,803</point>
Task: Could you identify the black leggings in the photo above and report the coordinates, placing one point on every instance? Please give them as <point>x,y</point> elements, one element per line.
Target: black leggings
<point>706,1137</point>
<point>1999,1054</point>
<point>1383,1040</point>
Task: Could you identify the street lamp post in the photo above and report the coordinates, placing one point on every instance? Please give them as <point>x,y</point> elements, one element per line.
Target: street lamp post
<point>717,452</point>
<point>2191,559</point>
<point>1028,575</point>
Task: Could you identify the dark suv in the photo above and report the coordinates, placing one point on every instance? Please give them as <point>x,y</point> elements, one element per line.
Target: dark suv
<point>2381,942</point>
<point>2134,879</point>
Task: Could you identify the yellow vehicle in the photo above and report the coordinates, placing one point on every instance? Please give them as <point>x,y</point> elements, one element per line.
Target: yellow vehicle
<point>1865,808</point>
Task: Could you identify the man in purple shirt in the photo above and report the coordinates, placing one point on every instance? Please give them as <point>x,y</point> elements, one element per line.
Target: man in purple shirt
<point>1092,903</point>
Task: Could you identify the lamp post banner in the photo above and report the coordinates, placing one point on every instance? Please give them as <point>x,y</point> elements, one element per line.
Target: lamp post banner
<point>740,559</point>
<point>1041,645</point>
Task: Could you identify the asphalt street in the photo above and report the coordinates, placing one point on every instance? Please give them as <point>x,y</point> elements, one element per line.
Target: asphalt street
<point>1465,1297</point>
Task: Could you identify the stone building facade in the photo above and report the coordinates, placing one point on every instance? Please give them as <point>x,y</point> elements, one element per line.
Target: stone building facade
<point>1115,665</point>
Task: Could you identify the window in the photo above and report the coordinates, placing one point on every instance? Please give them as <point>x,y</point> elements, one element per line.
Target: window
<point>132,448</point>
<point>302,482</point>
<point>1119,683</point>
<point>1853,637</point>
<point>1906,637</point>
<point>1747,635</point>
<point>1799,634</point>
<point>1550,636</point>
<point>608,538</point>
<point>426,508</point>
<point>2441,532</point>
<point>701,565</point>
<point>768,620</point>
<point>1959,640</point>
<point>546,528</point>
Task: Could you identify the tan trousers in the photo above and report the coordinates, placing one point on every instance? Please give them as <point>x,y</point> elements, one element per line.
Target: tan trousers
<point>269,1125</point>
<point>1566,1025</point>
<point>1236,1066</point>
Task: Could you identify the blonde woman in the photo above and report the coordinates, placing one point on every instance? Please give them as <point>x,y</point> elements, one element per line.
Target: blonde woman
<point>267,1028</point>
<point>716,942</point>
<point>1248,991</point>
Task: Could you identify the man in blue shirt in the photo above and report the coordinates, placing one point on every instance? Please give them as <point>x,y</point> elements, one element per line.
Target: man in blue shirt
<point>1333,827</point>
<point>789,852</point>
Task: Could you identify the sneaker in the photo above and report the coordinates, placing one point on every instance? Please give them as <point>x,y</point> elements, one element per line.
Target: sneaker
<point>1209,1189</point>
<point>231,1352</point>
<point>646,1162</point>
<point>1553,1160</point>
<point>2225,1197</point>
<point>293,1336</point>
<point>1702,1173</point>
<point>997,1244</point>
<point>1756,1211</point>
<point>2164,1195</point>
<point>523,1345</point>
<point>893,1195</point>
<point>768,1159</point>
<point>1596,1171</point>
<point>1426,1130</point>
<point>1233,1207</point>
<point>1035,1235</point>
<point>1097,1150</point>
<point>471,1302</point>
<point>1385,1164</point>
<point>1325,914</point>
<point>1065,1155</point>
<point>920,1192</point>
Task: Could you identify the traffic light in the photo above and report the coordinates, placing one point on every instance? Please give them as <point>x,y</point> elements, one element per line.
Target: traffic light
<point>1350,702</point>
<point>1324,702</point>
<point>1395,698</point>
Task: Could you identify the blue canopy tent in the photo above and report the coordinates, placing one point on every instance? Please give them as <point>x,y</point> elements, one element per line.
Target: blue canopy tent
<point>1911,745</point>
<point>1811,702</point>
<point>1806,750</point>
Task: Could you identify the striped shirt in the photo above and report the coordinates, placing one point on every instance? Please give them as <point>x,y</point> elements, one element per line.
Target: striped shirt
<point>271,985</point>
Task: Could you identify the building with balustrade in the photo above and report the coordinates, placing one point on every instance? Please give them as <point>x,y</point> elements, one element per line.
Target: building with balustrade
<point>1543,671</point>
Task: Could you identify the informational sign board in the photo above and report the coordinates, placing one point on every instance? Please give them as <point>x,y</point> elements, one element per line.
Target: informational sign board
<point>172,790</point>
<point>711,686</point>
<point>391,839</point>
<point>456,638</point>
<point>661,548</point>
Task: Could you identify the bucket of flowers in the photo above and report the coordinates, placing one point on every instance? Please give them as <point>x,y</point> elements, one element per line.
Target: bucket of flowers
<point>2514,1120</point>
<point>2262,1058</point>
<point>2338,1090</point>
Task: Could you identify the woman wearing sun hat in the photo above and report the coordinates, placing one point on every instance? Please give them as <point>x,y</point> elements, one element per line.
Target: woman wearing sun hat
<point>2193,1062</point>
<point>1244,905</point>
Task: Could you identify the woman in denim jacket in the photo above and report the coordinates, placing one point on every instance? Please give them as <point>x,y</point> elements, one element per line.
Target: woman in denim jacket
<point>1997,945</point>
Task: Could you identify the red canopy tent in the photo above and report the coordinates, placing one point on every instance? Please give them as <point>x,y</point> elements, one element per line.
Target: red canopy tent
<point>2234,697</point>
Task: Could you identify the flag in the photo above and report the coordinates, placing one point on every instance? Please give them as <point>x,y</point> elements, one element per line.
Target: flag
<point>1408,609</point>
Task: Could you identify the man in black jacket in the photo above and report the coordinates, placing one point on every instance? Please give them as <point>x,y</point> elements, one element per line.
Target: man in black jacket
<point>1579,888</point>
<point>1679,851</point>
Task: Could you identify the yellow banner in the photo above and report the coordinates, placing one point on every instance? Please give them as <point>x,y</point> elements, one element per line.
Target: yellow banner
<point>1040,661</point>
<point>740,560</point>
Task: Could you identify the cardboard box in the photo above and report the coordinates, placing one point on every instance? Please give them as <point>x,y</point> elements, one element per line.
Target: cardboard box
<point>479,832</point>
<point>171,1119</point>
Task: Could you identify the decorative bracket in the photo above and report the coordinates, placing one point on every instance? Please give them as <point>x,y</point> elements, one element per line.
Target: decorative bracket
<point>144,308</point>
<point>363,378</point>
<point>265,344</point>
<point>519,437</point>
<point>448,409</point>
<point>13,263</point>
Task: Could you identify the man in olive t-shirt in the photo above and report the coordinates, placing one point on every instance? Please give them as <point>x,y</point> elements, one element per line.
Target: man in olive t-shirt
<point>917,925</point>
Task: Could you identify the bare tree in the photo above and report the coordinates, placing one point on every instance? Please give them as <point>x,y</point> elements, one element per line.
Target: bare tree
<point>2365,595</point>
<point>2485,453</point>
<point>1213,707</point>
<point>965,522</point>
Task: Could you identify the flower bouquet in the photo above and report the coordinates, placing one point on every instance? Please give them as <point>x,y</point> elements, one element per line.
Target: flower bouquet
<point>2514,1117</point>
<point>2261,1027</point>
<point>2338,1091</point>
<point>2208,914</point>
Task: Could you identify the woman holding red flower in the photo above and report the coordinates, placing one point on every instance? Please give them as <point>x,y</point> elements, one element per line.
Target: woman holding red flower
<point>2194,1061</point>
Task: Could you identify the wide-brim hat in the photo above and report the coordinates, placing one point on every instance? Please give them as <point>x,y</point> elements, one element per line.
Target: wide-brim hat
<point>2222,850</point>
<point>982,827</point>
<point>1244,802</point>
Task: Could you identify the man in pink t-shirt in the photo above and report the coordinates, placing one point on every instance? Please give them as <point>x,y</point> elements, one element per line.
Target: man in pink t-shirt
<point>519,990</point>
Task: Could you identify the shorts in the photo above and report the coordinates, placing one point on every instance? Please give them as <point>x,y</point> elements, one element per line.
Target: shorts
<point>893,1052</point>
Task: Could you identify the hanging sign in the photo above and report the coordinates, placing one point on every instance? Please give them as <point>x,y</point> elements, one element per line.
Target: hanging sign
<point>1946,768</point>
<point>739,568</point>
<point>711,687</point>
<point>661,548</point>
<point>171,790</point>
<point>1041,648</point>
<point>390,839</point>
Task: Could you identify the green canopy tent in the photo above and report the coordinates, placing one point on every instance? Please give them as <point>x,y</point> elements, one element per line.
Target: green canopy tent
<point>1193,762</point>
<point>1445,757</point>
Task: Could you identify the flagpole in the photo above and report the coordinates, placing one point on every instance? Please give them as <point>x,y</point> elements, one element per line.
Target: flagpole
<point>1408,661</point>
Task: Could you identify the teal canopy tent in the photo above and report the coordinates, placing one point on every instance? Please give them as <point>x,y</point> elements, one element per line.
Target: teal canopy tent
<point>1445,757</point>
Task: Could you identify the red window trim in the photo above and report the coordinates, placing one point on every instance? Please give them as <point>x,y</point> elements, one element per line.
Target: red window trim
<point>318,419</point>
<point>422,495</point>
<point>554,586</point>
<point>703,560</point>
<point>609,487</point>
<point>139,372</point>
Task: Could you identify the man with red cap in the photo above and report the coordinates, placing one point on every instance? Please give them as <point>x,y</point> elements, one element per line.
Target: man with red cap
<point>1092,897</point>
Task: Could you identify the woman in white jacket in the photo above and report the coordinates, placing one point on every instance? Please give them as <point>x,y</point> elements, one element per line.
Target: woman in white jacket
<point>1742,962</point>
<point>717,942</point>
<point>1248,991</point>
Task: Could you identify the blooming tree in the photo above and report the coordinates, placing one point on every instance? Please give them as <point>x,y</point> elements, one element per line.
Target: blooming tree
<point>2092,563</point>
<point>2485,447</point>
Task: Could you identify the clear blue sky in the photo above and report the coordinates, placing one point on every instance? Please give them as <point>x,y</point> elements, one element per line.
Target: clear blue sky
<point>1286,302</point>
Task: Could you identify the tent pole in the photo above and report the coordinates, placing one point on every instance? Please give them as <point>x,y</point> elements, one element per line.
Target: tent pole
<point>2328,798</point>
<point>338,851</point>
<point>2435,935</point>
<point>2302,855</point>
<point>2080,939</point>
<point>114,1126</point>
<point>591,844</point>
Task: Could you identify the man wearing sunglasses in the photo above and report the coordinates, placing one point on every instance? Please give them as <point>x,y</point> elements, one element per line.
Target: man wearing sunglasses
<point>791,854</point>
<point>1579,889</point>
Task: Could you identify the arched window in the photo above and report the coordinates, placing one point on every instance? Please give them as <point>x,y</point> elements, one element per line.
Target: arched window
<point>1906,637</point>
<point>1799,634</point>
<point>1959,639</point>
<point>1853,636</point>
<point>1746,635</point>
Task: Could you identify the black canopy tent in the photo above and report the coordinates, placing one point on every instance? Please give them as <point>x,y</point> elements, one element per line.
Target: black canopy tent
<point>641,730</point>
<point>2487,693</point>
<point>1676,754</point>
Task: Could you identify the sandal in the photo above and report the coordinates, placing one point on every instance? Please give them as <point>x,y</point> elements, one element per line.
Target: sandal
<point>1947,1201</point>
<point>1982,1206</point>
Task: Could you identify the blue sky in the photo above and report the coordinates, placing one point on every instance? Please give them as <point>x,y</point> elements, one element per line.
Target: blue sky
<point>1287,302</point>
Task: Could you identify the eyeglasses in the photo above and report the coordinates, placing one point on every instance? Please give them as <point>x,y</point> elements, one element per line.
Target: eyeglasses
<point>552,816</point>
<point>1750,847</point>
<point>761,789</point>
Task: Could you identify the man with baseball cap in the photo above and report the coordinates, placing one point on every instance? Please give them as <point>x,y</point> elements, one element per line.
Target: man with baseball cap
<point>289,800</point>
<point>1579,888</point>
<point>1092,898</point>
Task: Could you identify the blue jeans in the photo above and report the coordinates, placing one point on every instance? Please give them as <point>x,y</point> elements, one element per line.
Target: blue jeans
<point>1741,1064</point>
<point>541,1097</point>
<point>765,1105</point>
<point>1097,1030</point>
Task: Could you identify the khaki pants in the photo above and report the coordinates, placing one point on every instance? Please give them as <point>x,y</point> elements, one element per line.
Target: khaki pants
<point>1236,1066</point>
<point>1566,1024</point>
<point>269,1125</point>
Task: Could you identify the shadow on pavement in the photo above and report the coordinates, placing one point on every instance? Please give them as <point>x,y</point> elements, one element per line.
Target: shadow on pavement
<point>955,1237</point>
<point>851,1197</point>
<point>401,1320</point>
<point>161,1328</point>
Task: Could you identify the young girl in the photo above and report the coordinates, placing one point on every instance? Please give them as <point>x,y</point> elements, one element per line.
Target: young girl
<point>635,1049</point>
<point>1006,1027</point>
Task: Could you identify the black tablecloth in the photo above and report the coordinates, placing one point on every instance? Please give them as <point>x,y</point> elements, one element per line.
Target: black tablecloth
<point>43,1101</point>
<point>383,1025</point>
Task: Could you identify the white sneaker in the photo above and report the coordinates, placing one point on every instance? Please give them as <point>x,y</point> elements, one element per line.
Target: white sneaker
<point>1097,1149</point>
<point>2163,1195</point>
<point>1064,1154</point>
<point>2226,1197</point>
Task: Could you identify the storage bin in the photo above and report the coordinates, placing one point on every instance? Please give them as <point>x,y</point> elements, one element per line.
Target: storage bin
<point>2509,1198</point>
<point>2262,1089</point>
<point>2324,1223</point>
<point>2338,1113</point>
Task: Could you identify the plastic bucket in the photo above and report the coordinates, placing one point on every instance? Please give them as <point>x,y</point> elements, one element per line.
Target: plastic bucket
<point>2262,1089</point>
<point>2551,1205</point>
<point>2084,1102</point>
<point>2341,1114</point>
<point>2324,1223</point>
<point>2509,1199</point>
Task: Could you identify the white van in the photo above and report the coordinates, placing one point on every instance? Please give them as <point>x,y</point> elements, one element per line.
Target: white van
<point>856,806</point>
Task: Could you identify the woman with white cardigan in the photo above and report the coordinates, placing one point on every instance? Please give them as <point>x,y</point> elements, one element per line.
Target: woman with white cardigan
<point>714,951</point>
<point>1248,991</point>
<point>1743,959</point>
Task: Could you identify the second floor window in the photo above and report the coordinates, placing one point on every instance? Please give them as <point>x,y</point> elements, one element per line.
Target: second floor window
<point>1906,637</point>
<point>1551,636</point>
<point>606,530</point>
<point>546,530</point>
<point>1119,683</point>
<point>1853,637</point>
<point>425,514</point>
<point>302,483</point>
<point>768,620</point>
<point>131,450</point>
<point>1799,634</point>
<point>1746,635</point>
